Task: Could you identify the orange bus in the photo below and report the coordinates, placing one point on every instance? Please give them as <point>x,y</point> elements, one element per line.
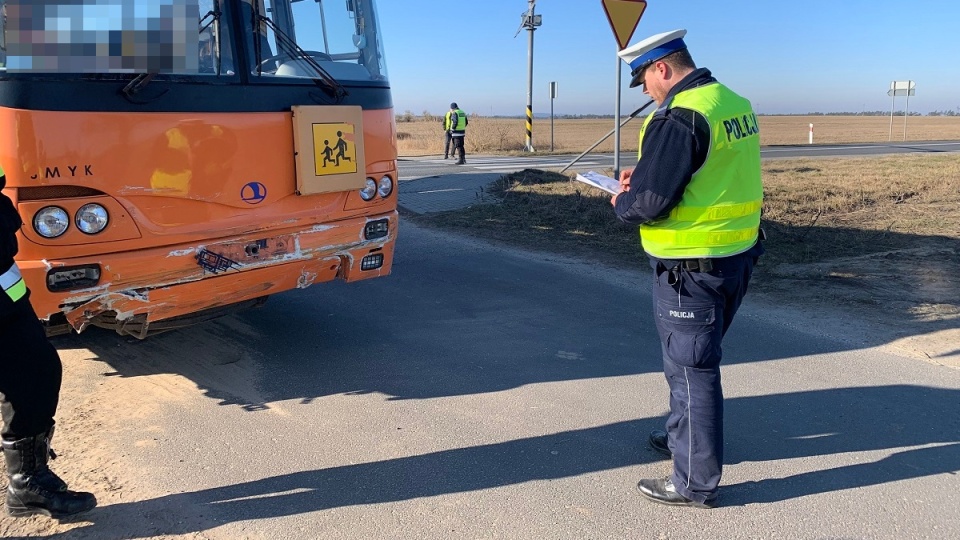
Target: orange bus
<point>153,200</point>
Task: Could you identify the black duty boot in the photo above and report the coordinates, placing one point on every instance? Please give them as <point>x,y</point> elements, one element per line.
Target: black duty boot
<point>34,488</point>
<point>658,441</point>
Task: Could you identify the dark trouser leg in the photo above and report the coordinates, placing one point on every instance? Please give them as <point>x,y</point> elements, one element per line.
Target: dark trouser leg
<point>447,142</point>
<point>692,315</point>
<point>695,429</point>
<point>458,144</point>
<point>30,373</point>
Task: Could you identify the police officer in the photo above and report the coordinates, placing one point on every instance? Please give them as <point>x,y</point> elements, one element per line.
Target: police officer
<point>458,130</point>
<point>30,373</point>
<point>447,133</point>
<point>696,195</point>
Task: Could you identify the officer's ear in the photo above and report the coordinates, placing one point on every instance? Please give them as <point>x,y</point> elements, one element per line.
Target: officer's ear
<point>657,69</point>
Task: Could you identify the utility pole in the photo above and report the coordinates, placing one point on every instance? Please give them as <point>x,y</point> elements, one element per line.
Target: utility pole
<point>530,21</point>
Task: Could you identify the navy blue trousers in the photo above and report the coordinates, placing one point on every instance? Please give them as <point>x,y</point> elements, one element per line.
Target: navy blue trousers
<point>693,311</point>
<point>30,372</point>
<point>458,146</point>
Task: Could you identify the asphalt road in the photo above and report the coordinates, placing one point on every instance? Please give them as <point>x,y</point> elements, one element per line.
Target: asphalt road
<point>412,168</point>
<point>480,392</point>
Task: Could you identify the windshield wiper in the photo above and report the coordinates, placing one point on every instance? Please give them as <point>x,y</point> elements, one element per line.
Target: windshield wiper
<point>214,16</point>
<point>137,84</point>
<point>284,42</point>
<point>214,13</point>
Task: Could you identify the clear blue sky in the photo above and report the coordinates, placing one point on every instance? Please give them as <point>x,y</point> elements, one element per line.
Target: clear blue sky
<point>786,57</point>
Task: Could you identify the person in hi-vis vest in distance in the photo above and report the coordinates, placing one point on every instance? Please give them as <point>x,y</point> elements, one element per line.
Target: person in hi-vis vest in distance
<point>30,376</point>
<point>696,195</point>
<point>447,133</point>
<point>458,130</point>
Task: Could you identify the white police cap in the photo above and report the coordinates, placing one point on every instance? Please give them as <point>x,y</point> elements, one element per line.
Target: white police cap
<point>648,51</point>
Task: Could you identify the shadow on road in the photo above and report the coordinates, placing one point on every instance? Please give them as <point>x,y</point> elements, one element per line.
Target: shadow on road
<point>762,428</point>
<point>456,320</point>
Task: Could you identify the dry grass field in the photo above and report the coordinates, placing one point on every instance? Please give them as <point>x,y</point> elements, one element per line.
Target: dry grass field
<point>487,135</point>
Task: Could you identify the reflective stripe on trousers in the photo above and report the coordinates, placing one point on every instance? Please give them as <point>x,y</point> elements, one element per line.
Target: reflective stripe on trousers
<point>12,283</point>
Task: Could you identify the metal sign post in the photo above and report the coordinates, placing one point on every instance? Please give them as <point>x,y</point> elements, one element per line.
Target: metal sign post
<point>616,122</point>
<point>623,15</point>
<point>901,88</point>
<point>906,113</point>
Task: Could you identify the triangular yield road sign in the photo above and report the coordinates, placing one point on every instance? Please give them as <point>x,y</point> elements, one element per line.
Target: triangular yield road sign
<point>624,15</point>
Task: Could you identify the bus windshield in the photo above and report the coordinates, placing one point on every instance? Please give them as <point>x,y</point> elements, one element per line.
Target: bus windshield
<point>342,36</point>
<point>279,39</point>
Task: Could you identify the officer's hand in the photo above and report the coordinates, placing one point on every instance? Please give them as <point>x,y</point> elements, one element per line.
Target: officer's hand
<point>625,179</point>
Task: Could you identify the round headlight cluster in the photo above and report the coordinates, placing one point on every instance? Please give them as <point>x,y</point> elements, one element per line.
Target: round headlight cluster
<point>53,221</point>
<point>369,190</point>
<point>92,218</point>
<point>384,188</point>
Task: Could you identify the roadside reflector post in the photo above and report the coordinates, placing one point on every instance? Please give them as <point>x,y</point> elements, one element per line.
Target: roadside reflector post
<point>811,133</point>
<point>553,95</point>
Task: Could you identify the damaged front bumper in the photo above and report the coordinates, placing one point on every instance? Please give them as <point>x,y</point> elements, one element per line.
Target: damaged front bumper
<point>193,282</point>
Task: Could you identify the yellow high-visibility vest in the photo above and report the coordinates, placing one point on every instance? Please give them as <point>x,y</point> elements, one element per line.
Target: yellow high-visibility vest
<point>719,212</point>
<point>461,120</point>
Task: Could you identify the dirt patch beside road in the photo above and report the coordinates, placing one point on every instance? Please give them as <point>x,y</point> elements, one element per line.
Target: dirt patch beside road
<point>902,299</point>
<point>104,416</point>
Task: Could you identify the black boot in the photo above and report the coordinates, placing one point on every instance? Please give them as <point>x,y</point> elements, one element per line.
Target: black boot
<point>34,488</point>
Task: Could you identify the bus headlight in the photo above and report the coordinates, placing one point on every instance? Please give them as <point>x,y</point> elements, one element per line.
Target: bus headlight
<point>51,221</point>
<point>386,187</point>
<point>370,191</point>
<point>92,218</point>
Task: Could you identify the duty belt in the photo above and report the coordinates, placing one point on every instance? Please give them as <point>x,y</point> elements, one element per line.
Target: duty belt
<point>12,283</point>
<point>697,265</point>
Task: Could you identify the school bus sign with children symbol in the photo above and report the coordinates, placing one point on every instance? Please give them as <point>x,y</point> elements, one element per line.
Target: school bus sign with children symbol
<point>338,149</point>
<point>328,142</point>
